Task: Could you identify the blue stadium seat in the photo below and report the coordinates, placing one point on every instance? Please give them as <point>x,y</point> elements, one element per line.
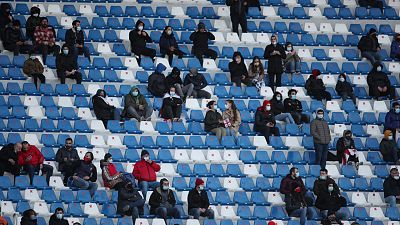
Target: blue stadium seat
<point>376,184</point>
<point>362,13</point>
<point>285,13</point>
<point>75,209</point>
<point>361,213</point>
<point>70,10</point>
<point>299,13</point>
<point>244,212</point>
<point>48,195</point>
<point>267,171</point>
<point>393,213</point>
<point>193,12</point>
<point>390,13</point>
<point>202,171</point>
<point>22,206</point>
<point>254,13</point>
<point>261,212</point>
<point>345,13</point>
<point>375,158</point>
<point>345,184</point>
<point>209,13</point>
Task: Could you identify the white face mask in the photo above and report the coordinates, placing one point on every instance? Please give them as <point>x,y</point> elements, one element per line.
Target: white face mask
<point>319,77</point>
<point>110,160</point>
<point>273,42</point>
<point>140,27</point>
<point>390,137</point>
<point>169,32</point>
<point>322,177</point>
<point>36,15</point>
<point>396,177</point>
<point>172,93</point>
<point>201,187</point>
<point>59,216</point>
<point>226,106</point>
<point>297,174</point>
<point>215,107</point>
<point>278,98</point>
<point>289,49</point>
<point>379,69</point>
<point>65,51</point>
<point>293,97</point>
<point>341,79</point>
<point>78,28</point>
<point>32,57</point>
<point>330,188</point>
<point>268,107</point>
<point>320,116</point>
<point>146,158</point>
<point>165,188</point>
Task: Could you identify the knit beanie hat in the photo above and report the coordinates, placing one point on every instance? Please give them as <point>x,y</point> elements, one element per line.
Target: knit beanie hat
<point>387,133</point>
<point>315,72</point>
<point>199,182</point>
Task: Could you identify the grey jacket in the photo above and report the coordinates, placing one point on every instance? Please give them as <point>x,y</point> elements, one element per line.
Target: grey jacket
<point>320,131</point>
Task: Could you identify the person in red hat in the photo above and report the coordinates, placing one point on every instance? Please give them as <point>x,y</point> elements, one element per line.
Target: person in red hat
<point>315,86</point>
<point>265,121</point>
<point>198,203</point>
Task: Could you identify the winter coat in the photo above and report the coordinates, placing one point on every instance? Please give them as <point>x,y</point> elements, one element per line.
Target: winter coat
<point>86,169</point>
<point>368,44</point>
<point>167,41</point>
<point>212,120</point>
<point>294,201</point>
<point>341,147</point>
<point>55,221</point>
<point>237,7</point>
<point>144,171</point>
<point>125,197</point>
<point>326,200</point>
<point>102,109</point>
<point>277,107</point>
<point>257,74</point>
<point>36,156</point>
<point>31,23</point>
<point>25,220</point>
<point>197,200</point>
<point>6,153</point>
<point>110,174</point>
<point>156,199</point>
<point>391,187</point>
<point>386,148</point>
<point>320,131</point>
<point>292,105</point>
<point>138,42</point>
<point>262,118</point>
<point>395,49</point>
<point>66,63</point>
<point>199,81</point>
<point>392,120</point>
<point>292,56</point>
<point>377,79</point>
<point>5,14</point>
<point>73,37</point>
<point>237,70</point>
<point>64,153</point>
<point>157,85</point>
<point>229,115</point>
<point>343,87</point>
<point>200,41</point>
<point>171,80</point>
<point>11,37</point>
<point>134,101</point>
<point>33,66</point>
<point>288,183</point>
<point>173,102</point>
<point>275,64</point>
<point>314,85</point>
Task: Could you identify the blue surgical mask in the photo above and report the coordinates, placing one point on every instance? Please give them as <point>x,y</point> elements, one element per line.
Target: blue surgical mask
<point>397,110</point>
<point>293,97</point>
<point>215,107</point>
<point>297,174</point>
<point>135,93</point>
<point>32,217</point>
<point>65,51</point>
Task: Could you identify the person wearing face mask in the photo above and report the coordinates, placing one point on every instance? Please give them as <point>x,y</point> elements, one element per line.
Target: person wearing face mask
<point>85,176</point>
<point>32,22</point>
<point>34,68</point>
<point>169,45</point>
<point>200,40</point>
<point>138,38</point>
<point>237,69</point>
<point>255,74</point>
<point>275,54</point>
<point>14,40</point>
<point>111,177</point>
<point>67,66</point>
<point>213,121</point>
<point>370,47</point>
<point>29,217</point>
<point>68,159</point>
<point>232,119</point>
<point>315,86</point>
<point>198,203</point>
<point>277,108</point>
<point>58,218</point>
<point>130,202</point>
<point>322,136</point>
<point>293,106</point>
<point>388,148</point>
<point>145,172</point>
<point>290,180</point>
<point>136,106</point>
<point>292,61</point>
<point>265,121</point>
<point>391,188</point>
<point>5,18</point>
<point>199,83</point>
<point>9,158</point>
<point>379,83</point>
<point>162,202</point>
<point>392,119</point>
<point>238,11</point>
<point>156,82</point>
<point>171,108</point>
<point>31,160</point>
<point>395,48</point>
<point>104,109</point>
<point>344,88</point>
<point>45,39</point>
<point>174,80</point>
<point>75,40</point>
<point>346,151</point>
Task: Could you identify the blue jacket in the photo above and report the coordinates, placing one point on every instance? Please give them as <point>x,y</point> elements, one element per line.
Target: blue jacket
<point>394,49</point>
<point>392,120</point>
<point>167,41</point>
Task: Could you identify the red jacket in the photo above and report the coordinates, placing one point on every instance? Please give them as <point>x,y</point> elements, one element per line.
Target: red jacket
<point>144,171</point>
<point>36,156</point>
<point>109,174</point>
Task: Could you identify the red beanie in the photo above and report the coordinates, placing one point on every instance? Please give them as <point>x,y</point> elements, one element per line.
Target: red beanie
<point>272,222</point>
<point>316,72</point>
<point>199,182</point>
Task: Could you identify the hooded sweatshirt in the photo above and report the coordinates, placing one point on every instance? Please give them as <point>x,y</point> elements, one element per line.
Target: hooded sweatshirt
<point>343,87</point>
<point>66,62</point>
<point>277,105</point>
<point>237,70</point>
<point>263,117</point>
<point>320,131</point>
<point>200,39</point>
<point>134,101</point>
<point>32,22</point>
<point>138,42</point>
<point>156,83</point>
<point>195,78</point>
<point>167,41</point>
<point>368,43</point>
<point>376,78</point>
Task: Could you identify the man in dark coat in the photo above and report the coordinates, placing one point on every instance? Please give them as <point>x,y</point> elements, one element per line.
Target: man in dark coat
<point>29,217</point>
<point>9,159</point>
<point>275,53</point>
<point>388,148</point>
<point>75,40</point>
<point>67,66</point>
<point>130,202</point>
<point>199,82</point>
<point>238,69</point>
<point>169,45</point>
<point>379,83</point>
<point>200,40</point>
<point>370,47</point>
<point>138,38</point>
<point>14,40</point>
<point>58,218</point>
<point>156,83</point>
<point>293,106</point>
<point>136,106</point>
<point>392,118</point>
<point>162,202</point>
<point>198,203</point>
<point>344,88</point>
<point>391,188</point>
<point>238,10</point>
<point>32,22</point>
<point>68,159</point>
<point>315,86</point>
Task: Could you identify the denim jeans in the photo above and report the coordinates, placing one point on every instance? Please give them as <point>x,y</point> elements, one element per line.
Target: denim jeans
<point>231,132</point>
<point>373,57</point>
<point>286,117</point>
<point>164,212</point>
<point>391,200</point>
<point>293,66</point>
<point>195,212</point>
<point>145,185</point>
<point>304,214</point>
<point>83,184</point>
<point>321,154</point>
<point>136,208</point>
<point>32,169</point>
<point>79,51</point>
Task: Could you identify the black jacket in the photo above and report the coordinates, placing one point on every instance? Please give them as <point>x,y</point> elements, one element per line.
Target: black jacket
<point>391,187</point>
<point>368,44</point>
<point>171,80</point>
<point>11,37</point>
<point>156,199</point>
<point>275,61</point>
<point>5,13</point>
<point>198,200</point>
<point>126,196</point>
<point>173,102</point>
<point>200,41</point>
<point>25,220</point>
<point>294,201</point>
<point>341,147</point>
<point>73,37</point>
<point>237,7</point>
<point>237,70</point>
<point>87,169</point>
<point>54,221</point>
<point>157,85</point>
<point>292,105</point>
<point>6,153</point>
<point>138,42</point>
<point>277,107</point>
<point>212,120</point>
<point>343,87</point>
<point>199,81</point>
<point>314,85</point>
<point>167,41</point>
<point>386,148</point>
<point>31,23</point>
<point>377,79</point>
<point>326,200</point>
<point>261,120</point>
<point>66,62</point>
<point>64,153</point>
<point>102,110</point>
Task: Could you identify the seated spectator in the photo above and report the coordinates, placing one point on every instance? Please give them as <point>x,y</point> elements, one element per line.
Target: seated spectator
<point>156,82</point>
<point>296,205</point>
<point>315,86</point>
<point>174,80</point>
<point>256,74</point>
<point>130,202</point>
<point>67,66</point>
<point>29,217</point>
<point>111,177</point>
<point>31,160</point>
<point>145,172</point>
<point>168,45</point>
<point>238,70</point>
<point>344,89</point>
<point>391,188</point>
<point>200,40</point>
<point>293,106</point>
<point>275,54</point>
<point>199,83</point>
<point>85,176</point>
<point>32,22</point>
<point>171,108</point>
<point>9,159</point>
<point>162,202</point>
<point>292,61</point>
<point>213,121</point>
<point>392,119</point>
<point>371,4</point>
<point>68,159</point>
<point>293,179</point>
<point>75,39</point>
<point>329,201</point>
<point>379,83</point>
<point>198,203</point>
<point>388,148</point>
<point>346,151</point>
<point>34,68</point>
<point>138,38</point>
<point>370,47</point>
<point>103,108</point>
<point>5,18</point>
<point>58,218</point>
<point>277,108</point>
<point>136,106</point>
<point>45,39</point>
<point>232,119</point>
<point>265,121</point>
<point>14,40</point>
<point>395,48</point>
